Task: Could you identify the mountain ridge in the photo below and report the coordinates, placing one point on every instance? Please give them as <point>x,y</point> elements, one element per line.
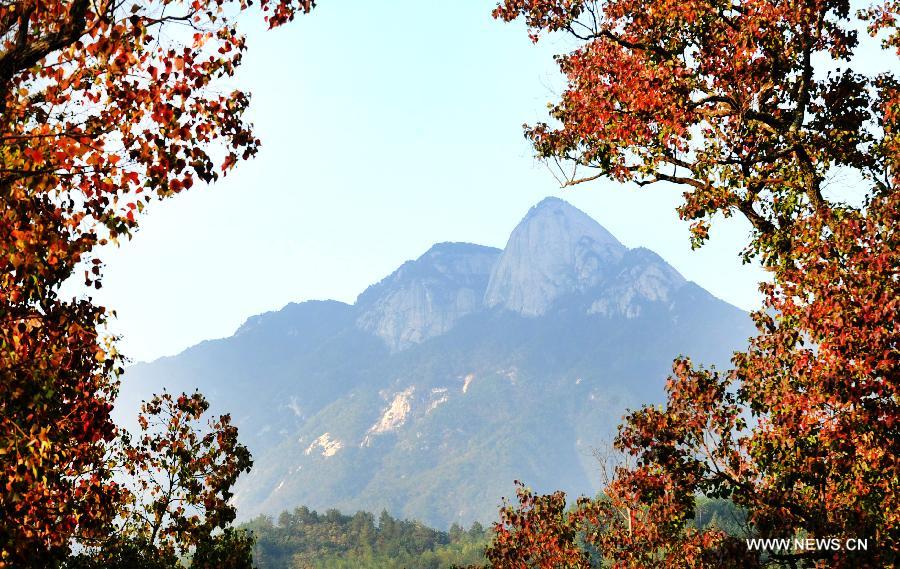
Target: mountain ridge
<point>461,371</point>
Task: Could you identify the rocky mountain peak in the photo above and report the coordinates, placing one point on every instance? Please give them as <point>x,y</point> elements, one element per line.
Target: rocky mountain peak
<point>642,276</point>
<point>425,297</point>
<point>555,250</point>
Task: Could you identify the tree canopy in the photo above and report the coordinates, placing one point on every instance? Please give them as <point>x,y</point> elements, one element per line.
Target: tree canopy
<point>749,106</point>
<point>104,107</point>
<point>753,108</point>
<point>307,539</point>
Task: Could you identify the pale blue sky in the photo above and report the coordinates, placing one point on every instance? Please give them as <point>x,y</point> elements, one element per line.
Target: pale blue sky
<point>387,127</point>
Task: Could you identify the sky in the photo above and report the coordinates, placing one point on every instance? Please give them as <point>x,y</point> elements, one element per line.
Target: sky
<point>386,127</point>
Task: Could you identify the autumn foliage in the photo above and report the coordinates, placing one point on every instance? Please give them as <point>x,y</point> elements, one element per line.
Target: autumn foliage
<point>184,471</point>
<point>723,98</point>
<point>752,108</point>
<point>539,531</point>
<point>177,474</point>
<point>104,107</point>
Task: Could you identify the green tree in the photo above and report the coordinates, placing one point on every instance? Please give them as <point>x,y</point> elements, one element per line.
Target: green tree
<point>333,540</point>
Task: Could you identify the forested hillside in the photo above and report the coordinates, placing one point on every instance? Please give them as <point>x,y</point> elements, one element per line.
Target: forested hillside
<point>305,539</point>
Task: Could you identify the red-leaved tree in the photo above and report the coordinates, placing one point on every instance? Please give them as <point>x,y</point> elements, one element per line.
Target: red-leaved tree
<point>104,106</point>
<point>753,108</point>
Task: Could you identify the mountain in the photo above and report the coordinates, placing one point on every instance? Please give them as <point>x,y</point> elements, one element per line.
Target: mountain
<point>424,298</point>
<point>555,251</point>
<point>462,371</point>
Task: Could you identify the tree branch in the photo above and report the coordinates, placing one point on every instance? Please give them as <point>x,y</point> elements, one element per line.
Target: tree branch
<point>26,54</point>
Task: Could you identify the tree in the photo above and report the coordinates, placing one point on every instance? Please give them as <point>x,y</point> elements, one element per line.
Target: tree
<point>104,106</point>
<point>121,554</point>
<point>722,98</point>
<point>177,481</point>
<point>751,107</point>
<point>538,532</point>
<point>177,477</point>
<point>232,549</point>
<point>184,474</point>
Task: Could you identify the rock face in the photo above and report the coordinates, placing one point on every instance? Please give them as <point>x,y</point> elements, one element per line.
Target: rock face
<point>556,250</point>
<point>640,277</point>
<point>424,298</point>
<point>462,371</point>
<point>554,254</point>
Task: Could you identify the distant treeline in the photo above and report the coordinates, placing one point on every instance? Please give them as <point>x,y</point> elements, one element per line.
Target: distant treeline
<point>305,539</point>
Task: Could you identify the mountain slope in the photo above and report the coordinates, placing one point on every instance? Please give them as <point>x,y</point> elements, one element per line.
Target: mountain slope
<point>460,372</point>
